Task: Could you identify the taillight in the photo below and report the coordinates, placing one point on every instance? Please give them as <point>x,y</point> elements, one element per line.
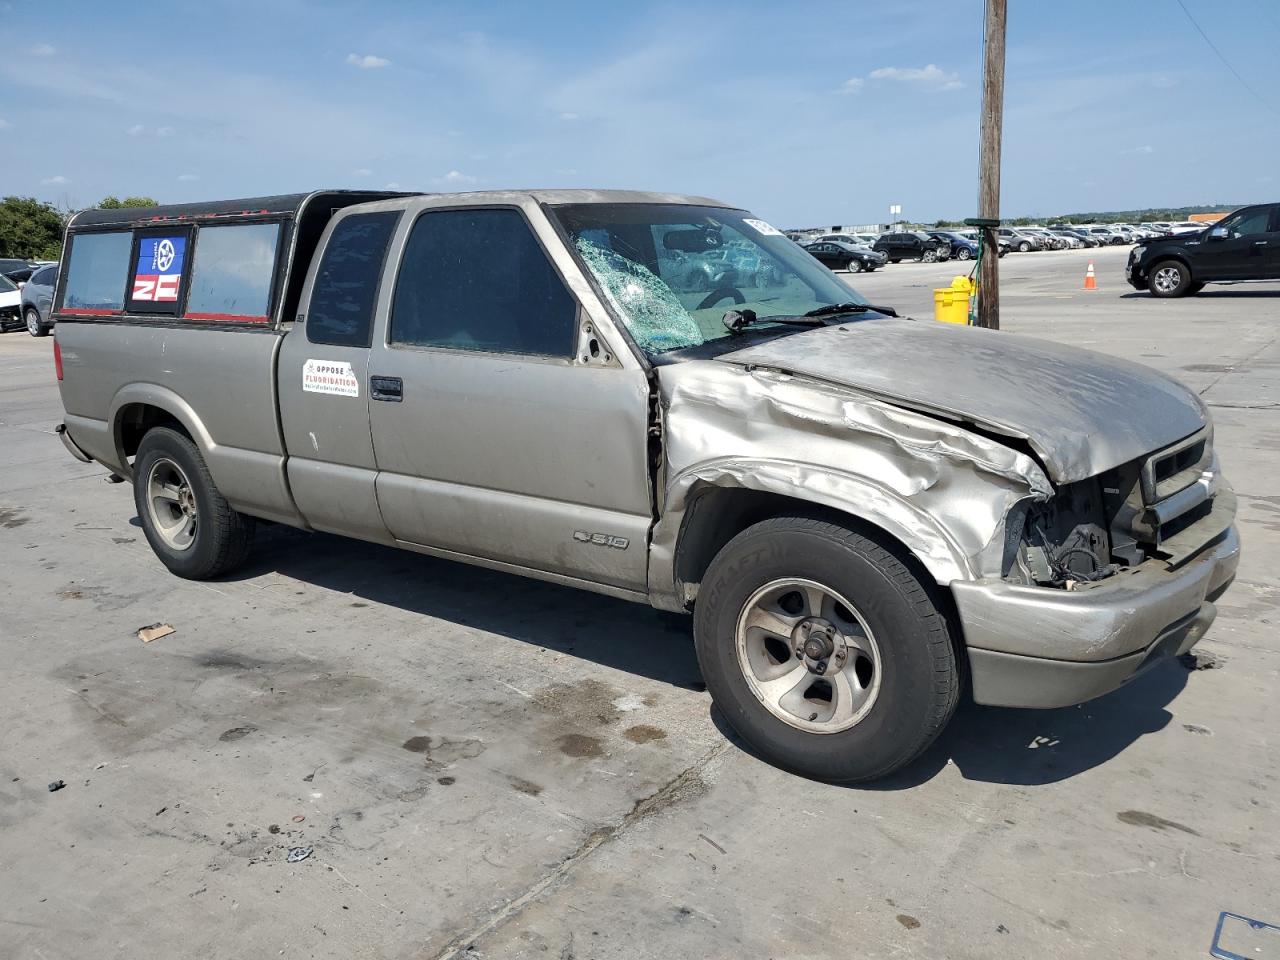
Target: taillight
<point>57,357</point>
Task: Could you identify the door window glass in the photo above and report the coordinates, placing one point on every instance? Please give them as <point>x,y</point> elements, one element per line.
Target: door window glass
<point>97,271</point>
<point>232,273</point>
<point>479,280</point>
<point>1248,224</point>
<point>346,285</point>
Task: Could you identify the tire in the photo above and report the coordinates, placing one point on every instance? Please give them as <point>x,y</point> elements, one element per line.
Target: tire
<point>908,679</point>
<point>1169,278</point>
<point>1024,247</point>
<point>964,254</point>
<point>34,327</point>
<point>929,256</point>
<point>1194,289</point>
<point>195,532</point>
<point>854,266</point>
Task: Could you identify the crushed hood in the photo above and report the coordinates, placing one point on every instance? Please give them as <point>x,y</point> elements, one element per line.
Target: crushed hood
<point>1081,412</point>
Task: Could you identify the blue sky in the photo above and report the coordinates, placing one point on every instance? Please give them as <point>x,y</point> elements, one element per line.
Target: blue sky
<point>807,113</point>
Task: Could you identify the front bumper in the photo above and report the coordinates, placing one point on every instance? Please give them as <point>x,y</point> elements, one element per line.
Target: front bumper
<point>1043,647</point>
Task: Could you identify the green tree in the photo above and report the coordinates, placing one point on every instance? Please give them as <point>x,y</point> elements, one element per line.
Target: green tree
<point>30,229</point>
<point>115,203</point>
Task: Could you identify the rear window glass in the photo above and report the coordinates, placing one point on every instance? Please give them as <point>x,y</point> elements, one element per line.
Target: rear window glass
<point>232,273</point>
<point>346,286</point>
<point>96,272</point>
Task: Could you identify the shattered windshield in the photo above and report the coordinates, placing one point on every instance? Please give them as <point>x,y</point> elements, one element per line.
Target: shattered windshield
<point>672,271</point>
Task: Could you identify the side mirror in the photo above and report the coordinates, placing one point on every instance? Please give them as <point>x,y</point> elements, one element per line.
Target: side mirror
<point>1218,233</point>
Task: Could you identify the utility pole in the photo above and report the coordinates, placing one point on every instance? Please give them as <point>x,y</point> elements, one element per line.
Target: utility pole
<point>989,162</point>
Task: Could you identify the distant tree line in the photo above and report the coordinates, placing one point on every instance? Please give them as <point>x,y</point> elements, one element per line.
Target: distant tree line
<point>1149,215</point>
<point>31,229</point>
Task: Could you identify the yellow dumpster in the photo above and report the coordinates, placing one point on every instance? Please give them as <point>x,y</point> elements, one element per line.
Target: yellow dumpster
<point>951,304</point>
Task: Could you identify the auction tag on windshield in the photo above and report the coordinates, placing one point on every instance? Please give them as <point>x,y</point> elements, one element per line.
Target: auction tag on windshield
<point>767,229</point>
<point>333,377</point>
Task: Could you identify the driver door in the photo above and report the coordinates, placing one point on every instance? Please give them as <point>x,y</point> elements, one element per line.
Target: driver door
<point>1238,248</point>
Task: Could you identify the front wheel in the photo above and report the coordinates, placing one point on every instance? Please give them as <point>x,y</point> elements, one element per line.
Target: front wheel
<point>854,266</point>
<point>1169,278</point>
<point>34,326</point>
<point>189,524</point>
<point>823,651</point>
<point>1024,247</point>
<point>929,256</point>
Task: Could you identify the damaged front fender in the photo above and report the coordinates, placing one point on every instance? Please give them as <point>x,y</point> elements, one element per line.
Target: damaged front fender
<point>941,490</point>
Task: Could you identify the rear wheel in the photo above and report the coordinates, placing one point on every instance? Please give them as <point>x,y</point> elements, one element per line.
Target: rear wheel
<point>189,524</point>
<point>823,650</point>
<point>34,326</point>
<point>964,254</point>
<point>1169,278</point>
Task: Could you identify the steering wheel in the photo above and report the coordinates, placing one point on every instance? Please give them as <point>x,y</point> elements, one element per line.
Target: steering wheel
<point>718,294</point>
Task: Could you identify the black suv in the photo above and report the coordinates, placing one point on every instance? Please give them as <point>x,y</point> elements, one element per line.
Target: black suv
<point>1242,246</point>
<point>911,246</point>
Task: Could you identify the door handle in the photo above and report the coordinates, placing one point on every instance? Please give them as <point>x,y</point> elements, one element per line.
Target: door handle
<point>386,388</point>
<point>1260,243</point>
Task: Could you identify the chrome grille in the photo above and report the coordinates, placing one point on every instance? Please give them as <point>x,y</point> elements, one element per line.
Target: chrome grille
<point>1173,469</point>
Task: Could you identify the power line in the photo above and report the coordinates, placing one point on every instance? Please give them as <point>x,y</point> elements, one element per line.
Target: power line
<point>1225,62</point>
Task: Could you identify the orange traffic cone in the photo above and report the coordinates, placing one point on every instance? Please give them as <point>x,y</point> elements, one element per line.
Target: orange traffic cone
<point>1090,281</point>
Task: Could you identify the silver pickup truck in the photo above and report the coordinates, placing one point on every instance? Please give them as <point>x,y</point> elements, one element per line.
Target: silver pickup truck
<point>659,398</point>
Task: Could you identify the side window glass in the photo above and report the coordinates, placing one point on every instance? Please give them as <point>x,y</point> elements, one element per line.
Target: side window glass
<point>97,271</point>
<point>479,280</point>
<point>1250,223</point>
<point>232,273</point>
<point>346,286</point>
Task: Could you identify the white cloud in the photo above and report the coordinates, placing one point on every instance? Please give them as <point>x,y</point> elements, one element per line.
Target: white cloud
<point>568,115</point>
<point>392,186</point>
<point>43,50</point>
<point>1164,83</point>
<point>1133,151</point>
<point>367,61</point>
<point>456,176</point>
<point>852,85</point>
<point>164,131</point>
<point>136,130</point>
<point>929,77</point>
<point>57,180</point>
<point>361,172</point>
<point>188,177</point>
<point>4,124</point>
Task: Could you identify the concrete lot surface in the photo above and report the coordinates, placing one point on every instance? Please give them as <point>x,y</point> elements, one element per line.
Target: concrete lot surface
<point>484,766</point>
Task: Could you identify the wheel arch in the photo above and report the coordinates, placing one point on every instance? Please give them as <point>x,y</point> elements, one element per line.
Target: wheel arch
<point>706,512</point>
<point>139,407</point>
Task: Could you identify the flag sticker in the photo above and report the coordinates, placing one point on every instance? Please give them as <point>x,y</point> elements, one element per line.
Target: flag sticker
<point>333,377</point>
<point>158,273</point>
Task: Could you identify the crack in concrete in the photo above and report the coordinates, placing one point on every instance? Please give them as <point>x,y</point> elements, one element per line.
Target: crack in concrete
<point>664,797</point>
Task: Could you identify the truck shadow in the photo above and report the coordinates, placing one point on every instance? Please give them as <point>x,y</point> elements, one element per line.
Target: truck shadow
<point>1038,747</point>
<point>989,744</point>
<point>614,633</point>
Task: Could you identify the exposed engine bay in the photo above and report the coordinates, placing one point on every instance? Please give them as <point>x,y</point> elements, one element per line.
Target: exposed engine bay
<point>1063,541</point>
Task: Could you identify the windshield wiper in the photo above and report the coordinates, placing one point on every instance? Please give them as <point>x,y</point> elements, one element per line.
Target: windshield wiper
<point>834,309</point>
<point>735,321</point>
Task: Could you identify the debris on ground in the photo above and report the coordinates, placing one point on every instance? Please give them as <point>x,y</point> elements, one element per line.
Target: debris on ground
<point>298,854</point>
<point>154,632</point>
<point>299,818</point>
<point>1198,660</point>
<point>57,785</point>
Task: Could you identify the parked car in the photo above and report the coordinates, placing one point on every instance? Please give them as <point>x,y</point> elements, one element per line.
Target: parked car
<point>846,256</point>
<point>1022,242</point>
<point>10,304</point>
<point>37,300</point>
<point>1084,236</point>
<point>1105,235</point>
<point>1242,246</point>
<point>850,238</point>
<point>1050,240</point>
<point>914,245</point>
<point>864,514</point>
<point>17,270</point>
<point>961,247</point>
<point>972,237</point>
